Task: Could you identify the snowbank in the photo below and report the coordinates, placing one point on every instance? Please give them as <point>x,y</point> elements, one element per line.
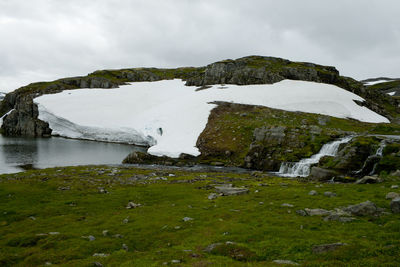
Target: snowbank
<point>170,116</point>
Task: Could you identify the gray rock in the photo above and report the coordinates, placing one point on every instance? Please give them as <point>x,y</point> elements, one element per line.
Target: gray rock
<point>329,194</point>
<point>369,180</point>
<point>301,212</point>
<point>91,238</point>
<point>322,174</point>
<point>313,193</point>
<point>287,205</point>
<point>101,255</point>
<point>286,262</point>
<point>125,247</point>
<point>392,195</point>
<point>176,261</point>
<point>105,233</point>
<point>366,208</point>
<point>97,264</point>
<point>186,219</point>
<point>327,247</point>
<point>229,191</point>
<point>211,247</point>
<point>395,186</point>
<point>212,196</point>
<point>395,205</point>
<point>317,212</point>
<point>132,205</point>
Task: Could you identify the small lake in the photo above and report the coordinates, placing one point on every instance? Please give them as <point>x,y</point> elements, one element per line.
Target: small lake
<point>20,153</point>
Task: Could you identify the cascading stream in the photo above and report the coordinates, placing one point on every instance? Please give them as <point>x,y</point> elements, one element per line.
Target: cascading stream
<point>302,168</point>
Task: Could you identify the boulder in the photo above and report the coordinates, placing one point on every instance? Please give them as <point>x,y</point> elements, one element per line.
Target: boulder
<point>392,195</point>
<point>366,208</point>
<point>226,190</point>
<point>322,174</point>
<point>395,205</point>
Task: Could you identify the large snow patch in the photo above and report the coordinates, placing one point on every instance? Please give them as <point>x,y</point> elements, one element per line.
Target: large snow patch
<point>170,116</point>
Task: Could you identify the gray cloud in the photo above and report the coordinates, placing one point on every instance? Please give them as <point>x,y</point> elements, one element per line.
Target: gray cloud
<point>48,39</point>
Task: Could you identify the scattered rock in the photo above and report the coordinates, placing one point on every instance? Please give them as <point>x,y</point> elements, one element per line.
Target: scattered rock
<point>363,209</point>
<point>395,205</point>
<point>287,205</point>
<point>286,262</point>
<point>97,264</point>
<point>105,233</point>
<point>118,236</point>
<point>91,238</point>
<point>32,218</point>
<point>54,233</point>
<point>313,193</point>
<point>327,247</point>
<point>227,190</point>
<point>126,220</point>
<point>132,205</point>
<point>212,196</point>
<point>301,212</point>
<point>102,190</point>
<point>392,195</point>
<point>175,261</point>
<point>317,212</point>
<point>329,194</point>
<point>102,255</point>
<point>186,219</point>
<point>395,186</point>
<point>64,188</point>
<point>369,180</point>
<point>125,247</point>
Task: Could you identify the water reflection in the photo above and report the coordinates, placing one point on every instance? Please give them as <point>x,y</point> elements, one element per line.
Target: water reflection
<point>18,153</point>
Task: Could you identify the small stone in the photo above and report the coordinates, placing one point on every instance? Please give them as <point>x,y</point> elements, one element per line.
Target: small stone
<point>261,203</point>
<point>395,186</point>
<point>392,195</point>
<point>211,247</point>
<point>105,233</point>
<point>102,190</point>
<point>48,263</point>
<point>301,212</point>
<point>54,233</point>
<point>118,236</point>
<point>32,218</point>
<point>286,262</point>
<point>102,255</point>
<point>395,205</point>
<point>125,247</point>
<point>327,247</point>
<point>97,264</point>
<point>212,196</point>
<point>126,220</point>
<point>287,205</point>
<point>329,194</point>
<point>64,188</point>
<point>171,175</point>
<point>186,219</point>
<point>177,227</point>
<point>317,212</point>
<point>313,193</point>
<point>132,205</point>
<point>175,261</point>
<point>91,238</point>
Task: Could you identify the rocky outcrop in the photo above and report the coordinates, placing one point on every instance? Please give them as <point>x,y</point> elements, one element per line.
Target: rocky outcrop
<point>262,70</point>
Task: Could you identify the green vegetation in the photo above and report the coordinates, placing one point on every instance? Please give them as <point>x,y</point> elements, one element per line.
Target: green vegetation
<point>48,216</point>
<point>385,86</point>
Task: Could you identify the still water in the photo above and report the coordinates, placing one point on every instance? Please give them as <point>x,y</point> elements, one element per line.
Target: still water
<point>19,153</point>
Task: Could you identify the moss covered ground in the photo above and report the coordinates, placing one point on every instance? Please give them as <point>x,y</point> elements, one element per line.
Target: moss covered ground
<point>48,215</point>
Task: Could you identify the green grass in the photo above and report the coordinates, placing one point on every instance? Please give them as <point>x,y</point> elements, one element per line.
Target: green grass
<point>262,232</point>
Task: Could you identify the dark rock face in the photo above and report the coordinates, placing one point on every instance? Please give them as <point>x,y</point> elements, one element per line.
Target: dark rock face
<point>23,120</point>
<point>262,70</point>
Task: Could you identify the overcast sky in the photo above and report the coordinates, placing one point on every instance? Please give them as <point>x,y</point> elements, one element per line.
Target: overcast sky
<point>50,39</point>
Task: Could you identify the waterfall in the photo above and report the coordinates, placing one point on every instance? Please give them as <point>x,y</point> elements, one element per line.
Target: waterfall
<point>302,168</point>
<point>379,154</point>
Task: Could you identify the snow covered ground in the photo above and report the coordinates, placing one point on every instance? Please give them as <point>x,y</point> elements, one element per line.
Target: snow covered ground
<point>170,116</point>
<point>378,81</point>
